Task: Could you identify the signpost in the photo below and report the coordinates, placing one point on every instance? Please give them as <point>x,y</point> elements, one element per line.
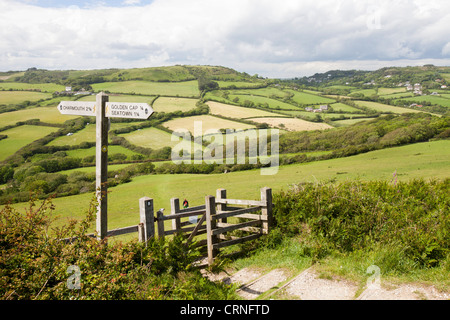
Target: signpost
<point>102,110</point>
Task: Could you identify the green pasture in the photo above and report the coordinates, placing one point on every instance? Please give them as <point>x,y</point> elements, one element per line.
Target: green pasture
<point>341,107</point>
<point>45,114</point>
<point>238,84</point>
<point>384,107</point>
<point>85,135</point>
<point>364,92</point>
<point>348,122</point>
<point>442,101</point>
<point>43,87</point>
<point>150,138</point>
<point>21,136</point>
<point>309,99</point>
<point>267,102</point>
<point>165,104</point>
<point>16,97</point>
<point>388,91</point>
<point>182,89</point>
<point>429,160</point>
<point>266,92</point>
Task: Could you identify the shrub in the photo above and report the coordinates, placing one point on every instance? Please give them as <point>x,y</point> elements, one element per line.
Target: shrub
<point>36,264</point>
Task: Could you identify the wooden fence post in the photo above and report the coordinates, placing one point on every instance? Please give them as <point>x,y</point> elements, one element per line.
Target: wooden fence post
<point>146,219</point>
<point>210,204</point>
<point>175,209</point>
<point>266,196</point>
<point>160,218</point>
<point>221,194</point>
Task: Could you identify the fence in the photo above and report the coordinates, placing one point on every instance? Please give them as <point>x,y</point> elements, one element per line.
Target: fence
<point>254,219</point>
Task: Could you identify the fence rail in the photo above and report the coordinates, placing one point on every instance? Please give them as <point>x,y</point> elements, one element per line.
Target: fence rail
<point>254,219</point>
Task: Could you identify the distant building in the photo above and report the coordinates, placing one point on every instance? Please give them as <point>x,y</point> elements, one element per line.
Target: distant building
<point>68,89</point>
<point>323,107</point>
<point>309,109</point>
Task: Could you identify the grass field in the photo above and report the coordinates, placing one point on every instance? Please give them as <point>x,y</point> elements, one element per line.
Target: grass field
<point>163,104</point>
<point>384,107</point>
<point>87,134</point>
<point>430,160</point>
<point>19,137</point>
<point>150,138</point>
<point>182,89</point>
<point>267,102</point>
<point>341,107</point>
<point>16,97</point>
<point>208,122</point>
<point>44,87</point>
<point>292,124</point>
<point>227,110</point>
<point>307,98</point>
<point>348,122</point>
<point>45,114</point>
<point>442,101</point>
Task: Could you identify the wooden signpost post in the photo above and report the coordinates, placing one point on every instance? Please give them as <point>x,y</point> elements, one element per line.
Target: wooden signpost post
<point>102,109</point>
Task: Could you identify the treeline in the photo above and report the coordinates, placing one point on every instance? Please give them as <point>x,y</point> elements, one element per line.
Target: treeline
<point>385,131</point>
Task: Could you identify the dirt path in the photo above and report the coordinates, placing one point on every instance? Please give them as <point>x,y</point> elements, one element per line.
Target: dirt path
<point>308,285</point>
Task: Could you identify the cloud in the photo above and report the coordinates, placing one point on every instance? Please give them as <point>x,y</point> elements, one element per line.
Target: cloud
<point>260,36</point>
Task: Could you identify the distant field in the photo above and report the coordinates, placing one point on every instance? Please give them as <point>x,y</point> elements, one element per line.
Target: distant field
<point>237,84</point>
<point>268,102</point>
<point>87,134</point>
<point>208,122</point>
<point>44,87</point>
<point>365,92</point>
<point>384,107</point>
<point>430,160</point>
<point>236,112</point>
<point>387,91</point>
<point>307,98</point>
<point>442,101</point>
<point>348,122</point>
<point>266,92</point>
<point>19,137</point>
<point>15,97</point>
<point>163,104</point>
<point>111,167</point>
<point>150,138</point>
<point>45,114</point>
<point>292,124</point>
<point>182,89</point>
<point>341,107</point>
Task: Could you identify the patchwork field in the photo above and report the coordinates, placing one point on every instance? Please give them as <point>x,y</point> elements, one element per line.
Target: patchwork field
<point>87,134</point>
<point>164,104</point>
<point>227,110</point>
<point>45,114</point>
<point>150,138</point>
<point>19,137</point>
<point>292,124</point>
<point>16,97</point>
<point>122,98</point>
<point>182,89</point>
<point>384,107</point>
<point>44,87</point>
<point>442,101</point>
<point>264,101</point>
<point>208,123</point>
<point>307,98</point>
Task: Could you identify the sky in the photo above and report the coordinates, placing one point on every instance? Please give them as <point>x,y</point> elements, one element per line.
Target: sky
<point>275,39</point>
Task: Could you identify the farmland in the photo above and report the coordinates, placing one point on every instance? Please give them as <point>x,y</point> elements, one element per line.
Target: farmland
<point>337,133</point>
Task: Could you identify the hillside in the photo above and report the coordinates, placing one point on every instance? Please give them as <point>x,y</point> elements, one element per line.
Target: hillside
<point>315,122</point>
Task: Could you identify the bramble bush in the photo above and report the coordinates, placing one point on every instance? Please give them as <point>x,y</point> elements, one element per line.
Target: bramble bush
<point>413,217</point>
<point>36,264</point>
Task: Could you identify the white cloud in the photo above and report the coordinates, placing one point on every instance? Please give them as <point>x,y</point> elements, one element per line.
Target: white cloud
<point>258,36</point>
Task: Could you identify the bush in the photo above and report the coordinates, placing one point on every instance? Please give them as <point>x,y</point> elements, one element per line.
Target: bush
<point>35,264</point>
<point>353,216</point>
